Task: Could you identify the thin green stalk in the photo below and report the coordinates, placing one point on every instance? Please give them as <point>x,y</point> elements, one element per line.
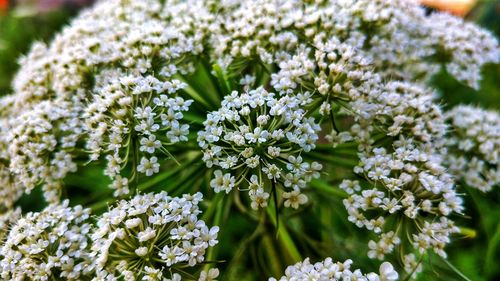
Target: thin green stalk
<point>276,206</point>
<point>274,259</point>
<point>219,73</point>
<point>326,188</point>
<point>259,230</point>
<point>458,272</point>
<point>336,161</point>
<point>211,209</point>
<point>492,250</point>
<point>285,239</point>
<point>219,210</point>
<point>164,176</point>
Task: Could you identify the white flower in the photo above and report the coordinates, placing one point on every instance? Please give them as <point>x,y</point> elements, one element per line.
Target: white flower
<point>251,134</point>
<point>149,166</point>
<point>141,251</point>
<point>51,244</point>
<point>177,134</point>
<point>329,271</point>
<point>258,136</point>
<point>149,144</point>
<point>210,275</point>
<point>387,272</point>
<point>147,234</point>
<point>259,199</point>
<point>136,229</point>
<point>294,199</point>
<point>222,182</point>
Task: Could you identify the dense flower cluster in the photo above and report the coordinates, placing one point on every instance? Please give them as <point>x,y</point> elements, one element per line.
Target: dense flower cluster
<point>51,244</point>
<point>100,80</point>
<point>151,236</point>
<point>40,144</point>
<point>261,85</point>
<point>112,79</point>
<point>400,132</point>
<point>148,113</point>
<point>397,37</point>
<point>406,188</point>
<point>473,153</point>
<point>328,270</point>
<point>7,219</point>
<point>407,181</point>
<point>260,138</point>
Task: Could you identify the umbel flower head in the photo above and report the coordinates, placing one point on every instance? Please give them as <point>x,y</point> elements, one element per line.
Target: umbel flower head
<point>473,146</point>
<point>83,94</point>
<point>120,86</point>
<point>7,219</point>
<point>407,43</point>
<point>134,118</point>
<point>408,192</point>
<point>151,237</point>
<point>399,130</point>
<point>257,139</point>
<point>51,244</point>
<point>102,90</point>
<point>328,270</point>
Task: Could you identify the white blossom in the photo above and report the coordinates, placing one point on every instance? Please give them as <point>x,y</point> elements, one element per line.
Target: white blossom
<point>260,147</point>
<point>331,271</point>
<point>163,233</point>
<point>53,243</point>
<point>473,146</point>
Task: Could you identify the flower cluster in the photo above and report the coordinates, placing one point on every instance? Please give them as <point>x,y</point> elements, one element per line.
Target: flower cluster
<point>408,191</point>
<point>7,219</point>
<point>113,62</point>
<point>473,146</point>
<point>41,143</point>
<point>259,139</point>
<point>332,271</point>
<point>51,244</point>
<point>151,236</point>
<point>398,37</point>
<point>399,130</point>
<point>133,118</point>
<point>128,83</point>
<point>116,61</point>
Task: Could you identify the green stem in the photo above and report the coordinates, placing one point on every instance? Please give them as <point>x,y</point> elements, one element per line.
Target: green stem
<point>275,199</point>
<point>273,256</point>
<point>492,250</point>
<point>164,176</point>
<point>456,270</point>
<point>326,188</point>
<point>285,239</point>
<point>219,210</point>
<point>336,161</point>
<point>225,87</point>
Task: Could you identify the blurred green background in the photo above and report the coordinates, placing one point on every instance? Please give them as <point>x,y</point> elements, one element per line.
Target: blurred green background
<point>22,23</point>
<point>475,254</point>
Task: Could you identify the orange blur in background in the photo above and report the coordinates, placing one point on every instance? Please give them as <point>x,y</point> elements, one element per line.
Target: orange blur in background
<point>4,4</point>
<point>456,7</point>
